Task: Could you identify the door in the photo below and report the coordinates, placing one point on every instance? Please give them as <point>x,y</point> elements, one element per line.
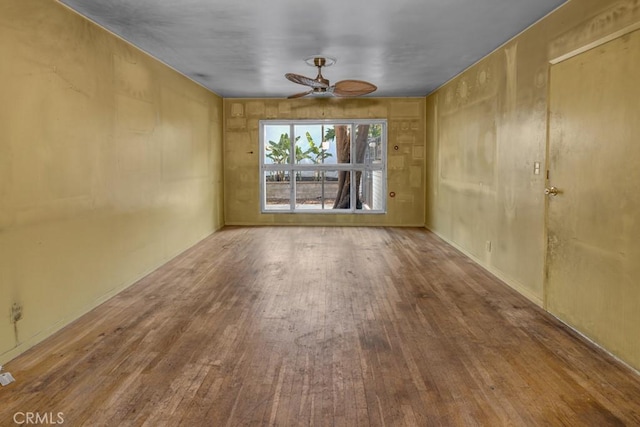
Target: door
<point>593,221</point>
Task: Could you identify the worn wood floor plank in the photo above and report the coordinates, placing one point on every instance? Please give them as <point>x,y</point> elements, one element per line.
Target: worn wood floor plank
<point>291,326</point>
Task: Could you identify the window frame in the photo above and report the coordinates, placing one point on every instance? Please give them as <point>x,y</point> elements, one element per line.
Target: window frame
<point>292,167</point>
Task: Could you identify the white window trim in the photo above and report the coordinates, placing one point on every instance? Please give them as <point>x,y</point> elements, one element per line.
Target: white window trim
<point>292,167</point>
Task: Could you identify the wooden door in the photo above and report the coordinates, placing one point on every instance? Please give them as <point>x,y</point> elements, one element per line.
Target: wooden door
<point>593,223</point>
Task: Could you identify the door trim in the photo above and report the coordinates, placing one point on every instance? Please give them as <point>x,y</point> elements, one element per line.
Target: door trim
<point>554,61</point>
<point>599,42</point>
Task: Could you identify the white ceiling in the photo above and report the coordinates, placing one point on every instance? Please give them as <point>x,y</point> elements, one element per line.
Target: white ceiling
<point>242,48</point>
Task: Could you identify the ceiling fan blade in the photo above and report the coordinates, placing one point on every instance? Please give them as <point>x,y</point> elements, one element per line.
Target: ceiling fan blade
<point>306,81</point>
<point>353,88</point>
<point>300,95</point>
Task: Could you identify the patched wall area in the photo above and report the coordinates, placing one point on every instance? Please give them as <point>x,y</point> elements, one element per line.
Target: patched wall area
<point>110,164</point>
<point>405,154</point>
<point>487,142</point>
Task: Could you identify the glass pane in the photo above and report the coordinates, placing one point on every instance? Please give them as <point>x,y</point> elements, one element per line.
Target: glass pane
<point>277,144</point>
<point>369,143</point>
<point>312,147</point>
<point>370,190</point>
<point>342,192</point>
<point>313,152</point>
<point>277,190</point>
<point>338,139</point>
<point>319,192</point>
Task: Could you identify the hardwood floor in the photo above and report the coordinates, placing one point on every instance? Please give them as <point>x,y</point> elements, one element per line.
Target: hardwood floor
<point>320,326</point>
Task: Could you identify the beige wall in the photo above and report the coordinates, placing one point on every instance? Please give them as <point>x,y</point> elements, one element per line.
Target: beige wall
<point>405,165</point>
<point>110,164</point>
<point>593,225</point>
<point>485,130</point>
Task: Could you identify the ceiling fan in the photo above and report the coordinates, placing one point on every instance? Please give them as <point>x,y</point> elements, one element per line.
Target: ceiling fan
<point>321,87</point>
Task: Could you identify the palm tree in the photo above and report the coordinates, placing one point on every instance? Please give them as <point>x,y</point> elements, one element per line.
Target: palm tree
<point>330,134</point>
<point>279,151</point>
<point>316,153</point>
<point>300,156</point>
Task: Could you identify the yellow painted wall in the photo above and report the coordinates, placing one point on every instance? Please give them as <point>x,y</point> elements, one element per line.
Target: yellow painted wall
<point>485,130</point>
<point>405,169</point>
<point>110,164</point>
<point>593,225</point>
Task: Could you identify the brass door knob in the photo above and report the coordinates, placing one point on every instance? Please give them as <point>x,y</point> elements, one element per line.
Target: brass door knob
<point>551,191</point>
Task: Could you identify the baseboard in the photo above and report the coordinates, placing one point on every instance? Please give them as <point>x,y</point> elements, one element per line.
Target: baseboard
<point>47,332</point>
<point>595,344</point>
<point>317,224</point>
<point>508,280</point>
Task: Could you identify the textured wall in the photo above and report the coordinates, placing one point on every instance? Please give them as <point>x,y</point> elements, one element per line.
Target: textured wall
<point>110,164</point>
<point>405,166</point>
<point>593,257</point>
<point>486,129</point>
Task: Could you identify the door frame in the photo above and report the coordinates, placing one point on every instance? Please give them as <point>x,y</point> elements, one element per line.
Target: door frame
<point>592,45</point>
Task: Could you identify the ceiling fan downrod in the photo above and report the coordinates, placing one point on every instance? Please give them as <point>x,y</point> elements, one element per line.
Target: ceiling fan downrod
<point>320,62</point>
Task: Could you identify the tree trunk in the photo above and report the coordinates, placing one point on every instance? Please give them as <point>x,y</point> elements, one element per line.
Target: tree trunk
<point>343,151</point>
<point>361,149</point>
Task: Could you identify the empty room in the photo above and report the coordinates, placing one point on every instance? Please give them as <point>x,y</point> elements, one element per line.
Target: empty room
<point>338,213</point>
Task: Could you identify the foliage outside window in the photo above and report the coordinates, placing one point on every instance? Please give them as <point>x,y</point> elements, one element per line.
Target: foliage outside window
<point>313,166</point>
